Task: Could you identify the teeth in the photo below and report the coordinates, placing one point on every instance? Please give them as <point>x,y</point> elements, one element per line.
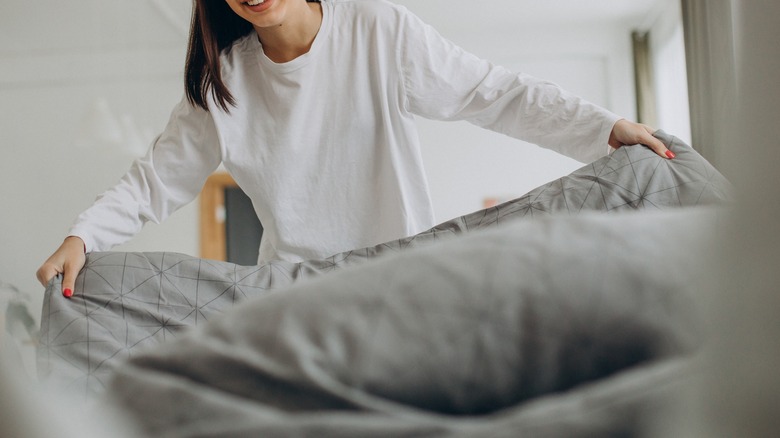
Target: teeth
<point>255,2</point>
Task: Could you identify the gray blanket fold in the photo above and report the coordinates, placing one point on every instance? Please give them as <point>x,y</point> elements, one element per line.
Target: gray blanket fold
<point>465,329</point>
<point>452,339</point>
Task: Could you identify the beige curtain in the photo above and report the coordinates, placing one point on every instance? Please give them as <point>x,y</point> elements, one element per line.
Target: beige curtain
<point>737,393</point>
<point>709,46</point>
<point>644,81</point>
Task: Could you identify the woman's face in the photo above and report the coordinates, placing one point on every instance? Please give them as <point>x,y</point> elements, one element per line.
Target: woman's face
<point>262,13</point>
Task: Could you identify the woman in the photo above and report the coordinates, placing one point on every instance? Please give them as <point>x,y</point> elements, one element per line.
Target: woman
<point>310,107</point>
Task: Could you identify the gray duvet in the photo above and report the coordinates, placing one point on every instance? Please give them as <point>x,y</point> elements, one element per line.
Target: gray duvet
<point>519,318</point>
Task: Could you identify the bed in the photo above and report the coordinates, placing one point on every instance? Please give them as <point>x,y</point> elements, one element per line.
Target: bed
<point>565,312</point>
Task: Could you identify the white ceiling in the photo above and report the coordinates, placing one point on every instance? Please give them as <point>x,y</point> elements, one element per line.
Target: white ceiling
<point>478,14</point>
<point>460,14</point>
<point>37,27</point>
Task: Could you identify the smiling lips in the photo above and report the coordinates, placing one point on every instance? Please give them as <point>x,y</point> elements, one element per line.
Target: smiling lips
<point>255,2</point>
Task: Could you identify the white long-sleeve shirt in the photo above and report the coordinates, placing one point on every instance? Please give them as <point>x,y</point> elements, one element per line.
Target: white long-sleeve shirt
<point>326,146</point>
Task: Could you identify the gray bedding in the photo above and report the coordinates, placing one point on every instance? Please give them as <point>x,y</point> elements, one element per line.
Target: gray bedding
<point>496,322</point>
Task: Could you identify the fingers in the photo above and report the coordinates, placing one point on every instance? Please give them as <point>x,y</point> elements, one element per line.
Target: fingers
<point>69,278</point>
<point>46,273</point>
<point>625,132</point>
<point>656,145</point>
<point>68,261</point>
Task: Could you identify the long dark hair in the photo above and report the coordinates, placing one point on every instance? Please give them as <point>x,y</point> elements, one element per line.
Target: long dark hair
<point>214,27</point>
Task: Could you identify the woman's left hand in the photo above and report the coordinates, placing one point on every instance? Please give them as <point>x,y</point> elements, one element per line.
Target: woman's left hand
<point>628,133</point>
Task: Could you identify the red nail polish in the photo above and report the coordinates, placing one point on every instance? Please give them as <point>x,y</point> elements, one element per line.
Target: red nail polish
<point>67,293</point>
<point>670,154</point>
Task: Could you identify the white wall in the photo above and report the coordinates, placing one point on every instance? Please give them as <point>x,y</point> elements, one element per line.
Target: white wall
<point>58,60</point>
<point>667,44</point>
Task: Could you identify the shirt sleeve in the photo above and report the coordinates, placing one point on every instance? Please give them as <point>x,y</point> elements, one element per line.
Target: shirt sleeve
<point>444,82</point>
<point>170,175</point>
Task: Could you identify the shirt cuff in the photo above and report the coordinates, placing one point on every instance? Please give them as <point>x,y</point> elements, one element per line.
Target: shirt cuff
<point>89,244</point>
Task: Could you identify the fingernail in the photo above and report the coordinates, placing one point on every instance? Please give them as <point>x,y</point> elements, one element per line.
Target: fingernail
<point>670,154</point>
<point>67,293</point>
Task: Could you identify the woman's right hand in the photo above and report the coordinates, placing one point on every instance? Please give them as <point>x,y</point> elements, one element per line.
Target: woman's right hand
<point>68,261</point>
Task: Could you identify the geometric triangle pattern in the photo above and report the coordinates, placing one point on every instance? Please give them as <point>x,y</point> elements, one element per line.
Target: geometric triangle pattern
<point>125,303</point>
